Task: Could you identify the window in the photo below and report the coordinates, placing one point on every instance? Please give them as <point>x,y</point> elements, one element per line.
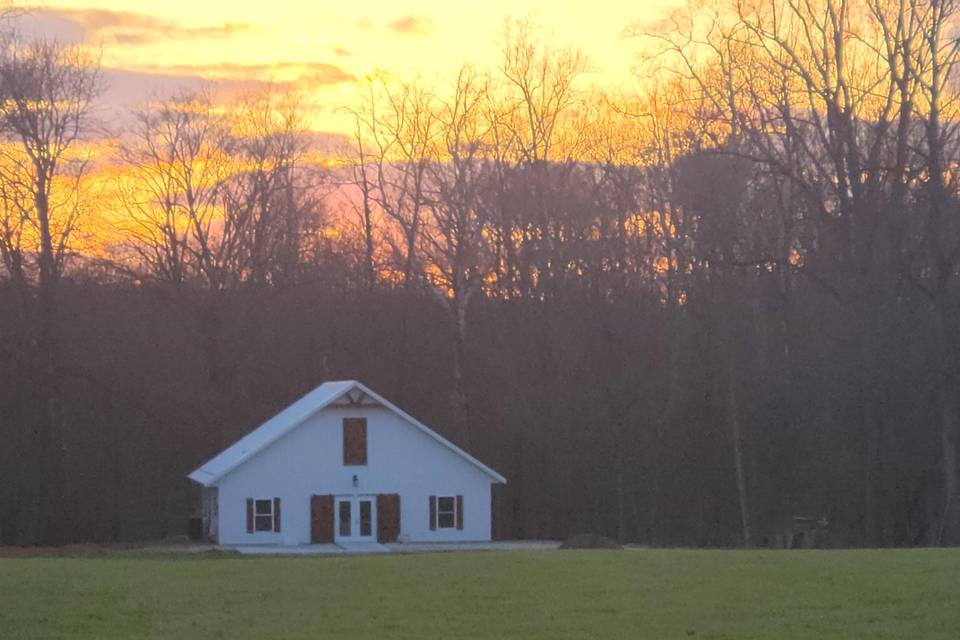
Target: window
<point>366,518</point>
<point>446,512</point>
<point>345,518</point>
<point>354,441</point>
<point>263,517</point>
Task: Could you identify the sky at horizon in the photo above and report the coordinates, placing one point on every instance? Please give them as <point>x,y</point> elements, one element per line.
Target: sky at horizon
<point>153,49</point>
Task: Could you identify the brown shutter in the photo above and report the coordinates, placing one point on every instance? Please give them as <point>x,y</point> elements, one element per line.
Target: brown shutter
<point>321,519</point>
<point>433,513</point>
<point>388,517</point>
<point>249,515</point>
<point>354,441</point>
<point>276,515</point>
<point>459,512</point>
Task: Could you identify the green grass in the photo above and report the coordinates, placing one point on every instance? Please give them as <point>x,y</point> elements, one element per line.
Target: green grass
<point>548,594</point>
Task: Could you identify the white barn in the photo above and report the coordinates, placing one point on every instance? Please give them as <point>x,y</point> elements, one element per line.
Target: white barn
<point>342,465</point>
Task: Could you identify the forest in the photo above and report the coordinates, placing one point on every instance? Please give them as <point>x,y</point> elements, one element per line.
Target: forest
<point>677,314</point>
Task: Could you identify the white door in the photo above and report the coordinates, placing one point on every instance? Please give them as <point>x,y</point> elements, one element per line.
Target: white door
<point>356,518</point>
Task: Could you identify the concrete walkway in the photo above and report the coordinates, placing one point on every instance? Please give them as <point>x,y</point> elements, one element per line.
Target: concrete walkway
<point>500,545</point>
<point>363,547</point>
<point>285,550</point>
<point>360,548</point>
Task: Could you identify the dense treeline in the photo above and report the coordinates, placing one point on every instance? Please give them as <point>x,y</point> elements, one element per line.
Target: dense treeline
<point>676,317</point>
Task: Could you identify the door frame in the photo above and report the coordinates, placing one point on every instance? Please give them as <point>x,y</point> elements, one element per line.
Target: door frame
<point>355,500</point>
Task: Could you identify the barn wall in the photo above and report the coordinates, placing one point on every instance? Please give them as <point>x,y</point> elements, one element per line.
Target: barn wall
<point>309,460</point>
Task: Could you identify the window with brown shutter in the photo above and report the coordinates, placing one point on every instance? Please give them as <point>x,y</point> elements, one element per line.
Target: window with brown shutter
<point>264,514</point>
<point>354,441</point>
<point>446,512</point>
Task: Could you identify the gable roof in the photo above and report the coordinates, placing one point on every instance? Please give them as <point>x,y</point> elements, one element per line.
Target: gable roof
<point>291,417</point>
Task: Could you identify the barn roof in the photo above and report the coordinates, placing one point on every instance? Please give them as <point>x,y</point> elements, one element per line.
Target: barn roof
<point>288,419</point>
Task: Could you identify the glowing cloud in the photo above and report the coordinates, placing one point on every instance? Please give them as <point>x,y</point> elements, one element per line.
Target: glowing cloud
<point>412,25</point>
<point>126,27</point>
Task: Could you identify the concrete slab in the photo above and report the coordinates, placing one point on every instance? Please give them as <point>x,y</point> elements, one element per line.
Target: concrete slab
<point>356,548</point>
<point>363,547</point>
<point>499,545</point>
<point>287,550</point>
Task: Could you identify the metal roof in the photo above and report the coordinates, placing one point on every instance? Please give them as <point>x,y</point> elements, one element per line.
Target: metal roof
<point>279,425</point>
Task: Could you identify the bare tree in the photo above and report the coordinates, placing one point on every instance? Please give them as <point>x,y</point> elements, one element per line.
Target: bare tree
<point>541,79</point>
<point>533,145</point>
<point>47,90</point>
<point>398,124</point>
<point>933,247</point>
<point>362,176</point>
<point>264,200</point>
<point>453,246</point>
<point>177,162</point>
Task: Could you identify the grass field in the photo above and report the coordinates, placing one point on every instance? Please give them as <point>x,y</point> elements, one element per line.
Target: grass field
<point>547,594</point>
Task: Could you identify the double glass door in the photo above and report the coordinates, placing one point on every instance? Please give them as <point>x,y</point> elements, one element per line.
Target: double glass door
<point>356,518</point>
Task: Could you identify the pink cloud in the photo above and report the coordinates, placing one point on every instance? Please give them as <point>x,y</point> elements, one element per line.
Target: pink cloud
<point>412,25</point>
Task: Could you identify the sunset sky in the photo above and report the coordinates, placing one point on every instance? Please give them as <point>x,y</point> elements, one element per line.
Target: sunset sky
<point>154,48</point>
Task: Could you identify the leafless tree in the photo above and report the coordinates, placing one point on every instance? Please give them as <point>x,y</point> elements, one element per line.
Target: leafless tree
<point>177,161</point>
<point>47,91</point>
<point>453,247</point>
<point>265,202</point>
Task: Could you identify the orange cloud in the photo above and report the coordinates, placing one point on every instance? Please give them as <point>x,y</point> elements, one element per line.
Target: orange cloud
<point>412,25</point>
<point>125,27</point>
<point>312,73</point>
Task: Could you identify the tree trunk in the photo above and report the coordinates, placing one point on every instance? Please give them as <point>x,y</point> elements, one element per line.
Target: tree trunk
<point>733,417</point>
<point>458,396</point>
<point>949,530</point>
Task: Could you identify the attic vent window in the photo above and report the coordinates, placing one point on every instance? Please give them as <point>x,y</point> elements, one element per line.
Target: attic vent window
<point>354,441</point>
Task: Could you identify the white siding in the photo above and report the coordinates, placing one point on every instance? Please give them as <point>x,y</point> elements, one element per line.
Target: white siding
<point>309,461</point>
